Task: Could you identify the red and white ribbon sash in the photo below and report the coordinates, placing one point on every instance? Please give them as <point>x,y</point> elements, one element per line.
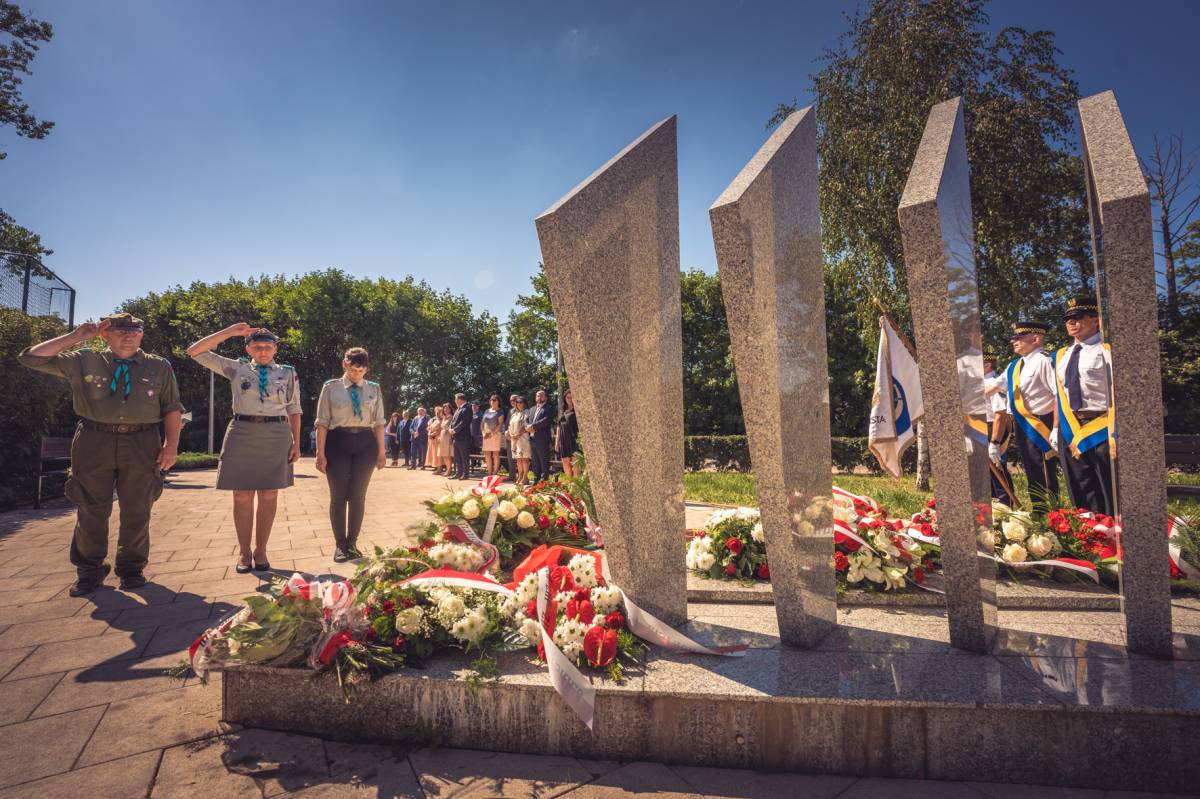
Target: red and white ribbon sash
<point>488,485</point>
<point>452,578</point>
<point>656,631</point>
<point>567,680</point>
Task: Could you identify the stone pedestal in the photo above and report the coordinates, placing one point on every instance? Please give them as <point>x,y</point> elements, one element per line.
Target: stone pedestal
<point>939,256</point>
<point>1123,248</point>
<point>611,252</point>
<point>767,233</point>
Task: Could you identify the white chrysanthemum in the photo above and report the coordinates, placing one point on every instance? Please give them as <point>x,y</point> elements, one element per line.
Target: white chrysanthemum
<point>531,630</point>
<point>746,514</point>
<point>569,631</point>
<point>488,499</point>
<point>470,509</point>
<point>583,569</point>
<point>563,597</point>
<point>705,561</point>
<point>719,516</point>
<point>506,510</point>
<point>573,650</point>
<point>525,520</point>
<point>509,606</point>
<point>605,600</point>
<point>408,621</point>
<point>471,627</point>
<point>527,590</point>
<point>757,533</point>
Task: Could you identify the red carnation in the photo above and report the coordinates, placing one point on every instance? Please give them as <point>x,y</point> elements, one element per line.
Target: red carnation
<point>614,620</point>
<point>734,545</point>
<point>406,602</point>
<point>730,569</point>
<point>560,522</point>
<point>840,562</point>
<point>543,521</point>
<point>764,571</point>
<point>561,579</point>
<point>931,504</point>
<point>919,576</point>
<point>600,646</point>
<point>427,543</point>
<point>389,607</point>
<point>399,642</point>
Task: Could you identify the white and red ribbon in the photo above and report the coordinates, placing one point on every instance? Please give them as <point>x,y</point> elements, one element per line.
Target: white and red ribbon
<point>567,680</point>
<point>488,485</point>
<point>463,534</point>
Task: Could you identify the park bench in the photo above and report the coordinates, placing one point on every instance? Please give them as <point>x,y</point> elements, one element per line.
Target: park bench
<point>54,458</point>
<point>478,463</point>
<point>1183,450</point>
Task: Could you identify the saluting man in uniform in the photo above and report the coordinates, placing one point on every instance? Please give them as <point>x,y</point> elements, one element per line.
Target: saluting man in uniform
<point>1030,384</point>
<point>1083,413</point>
<point>263,438</point>
<point>999,428</point>
<point>121,394</point>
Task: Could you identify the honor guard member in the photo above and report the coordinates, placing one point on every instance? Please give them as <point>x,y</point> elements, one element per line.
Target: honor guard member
<point>1030,384</point>
<point>121,395</point>
<point>999,428</point>
<point>1084,411</point>
<point>263,438</point>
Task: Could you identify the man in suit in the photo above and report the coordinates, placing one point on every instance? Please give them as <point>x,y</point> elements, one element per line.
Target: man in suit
<point>419,431</point>
<point>541,418</point>
<point>404,435</point>
<point>460,433</point>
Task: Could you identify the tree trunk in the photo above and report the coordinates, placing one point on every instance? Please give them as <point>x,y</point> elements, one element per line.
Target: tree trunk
<point>1169,270</point>
<point>922,459</point>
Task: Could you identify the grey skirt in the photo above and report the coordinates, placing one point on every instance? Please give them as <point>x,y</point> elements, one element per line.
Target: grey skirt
<point>254,457</point>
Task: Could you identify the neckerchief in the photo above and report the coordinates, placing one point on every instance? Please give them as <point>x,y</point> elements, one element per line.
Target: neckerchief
<point>121,372</point>
<point>262,381</point>
<point>355,401</point>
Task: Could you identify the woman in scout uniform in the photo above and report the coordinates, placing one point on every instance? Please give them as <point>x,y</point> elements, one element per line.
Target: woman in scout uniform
<point>1083,414</point>
<point>1030,381</point>
<point>350,421</point>
<point>263,438</point>
<point>121,395</point>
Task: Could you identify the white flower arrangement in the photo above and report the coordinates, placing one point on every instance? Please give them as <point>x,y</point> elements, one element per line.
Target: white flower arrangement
<point>605,600</point>
<point>409,621</point>
<point>471,627</point>
<point>527,590</point>
<point>525,519</point>
<point>531,631</point>
<point>1013,529</point>
<point>456,556</point>
<point>470,509</point>
<point>1014,553</point>
<point>506,510</point>
<point>583,569</point>
<point>488,499</point>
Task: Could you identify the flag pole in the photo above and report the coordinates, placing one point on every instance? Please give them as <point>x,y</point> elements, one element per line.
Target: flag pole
<point>908,345</point>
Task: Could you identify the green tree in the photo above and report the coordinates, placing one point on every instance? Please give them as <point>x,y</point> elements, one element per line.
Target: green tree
<point>531,340</point>
<point>711,404</point>
<point>873,94</point>
<point>22,36</point>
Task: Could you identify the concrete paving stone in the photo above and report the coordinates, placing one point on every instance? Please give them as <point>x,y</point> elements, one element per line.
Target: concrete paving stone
<point>643,780</point>
<point>34,749</point>
<point>878,788</point>
<point>264,761</point>
<point>1142,795</point>
<point>391,779</point>
<point>176,612</point>
<point>348,758</point>
<point>245,583</point>
<point>67,655</point>
<point>175,638</point>
<point>23,596</point>
<point>760,785</point>
<point>170,567</point>
<point>155,721</point>
<point>46,566</point>
<point>32,633</point>
<point>36,611</point>
<point>9,659</point>
<point>113,682</point>
<point>460,773</point>
<point>999,790</point>
<point>18,698</point>
<point>127,777</point>
<point>32,580</point>
<point>109,598</point>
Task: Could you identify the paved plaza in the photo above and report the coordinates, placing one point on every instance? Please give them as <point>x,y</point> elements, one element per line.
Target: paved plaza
<point>86,709</point>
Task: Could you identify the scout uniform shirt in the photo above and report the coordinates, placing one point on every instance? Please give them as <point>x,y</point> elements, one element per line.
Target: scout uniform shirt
<point>153,392</point>
<point>336,409</point>
<point>1094,371</point>
<point>282,395</point>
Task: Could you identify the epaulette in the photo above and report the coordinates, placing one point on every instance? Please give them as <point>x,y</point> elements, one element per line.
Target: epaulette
<point>285,366</point>
<point>371,383</point>
<point>333,380</point>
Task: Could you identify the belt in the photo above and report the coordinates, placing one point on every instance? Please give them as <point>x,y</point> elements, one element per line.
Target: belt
<point>242,417</point>
<point>100,427</point>
<point>351,430</point>
<point>1087,416</point>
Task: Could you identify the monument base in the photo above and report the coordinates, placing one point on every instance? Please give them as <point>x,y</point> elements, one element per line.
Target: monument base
<point>1059,703</point>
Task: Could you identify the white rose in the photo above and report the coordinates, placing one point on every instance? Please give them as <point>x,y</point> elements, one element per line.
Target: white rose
<point>470,509</point>
<point>488,499</point>
<point>1014,530</point>
<point>445,499</point>
<point>506,510</point>
<point>1014,553</point>
<point>1039,545</point>
<point>520,501</point>
<point>525,520</point>
<point>409,621</point>
<point>462,496</point>
<point>987,539</point>
<point>532,631</point>
<point>509,491</point>
<point>705,561</point>
<point>451,607</point>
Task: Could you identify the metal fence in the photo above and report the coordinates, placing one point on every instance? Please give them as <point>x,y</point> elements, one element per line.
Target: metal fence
<point>27,284</point>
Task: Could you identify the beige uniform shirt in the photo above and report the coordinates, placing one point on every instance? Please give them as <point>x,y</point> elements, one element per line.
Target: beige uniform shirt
<point>283,386</point>
<point>153,392</point>
<point>335,409</point>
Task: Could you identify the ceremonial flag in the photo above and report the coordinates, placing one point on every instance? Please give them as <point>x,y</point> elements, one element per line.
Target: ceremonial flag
<point>897,405</point>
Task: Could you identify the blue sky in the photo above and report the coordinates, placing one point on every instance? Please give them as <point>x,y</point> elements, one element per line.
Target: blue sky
<point>199,141</point>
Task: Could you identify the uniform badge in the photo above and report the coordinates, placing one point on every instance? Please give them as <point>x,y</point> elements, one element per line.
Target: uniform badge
<point>245,385</point>
<point>89,378</point>
<point>149,392</point>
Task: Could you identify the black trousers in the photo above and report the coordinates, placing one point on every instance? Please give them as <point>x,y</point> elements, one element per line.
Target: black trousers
<point>1002,484</point>
<point>1089,479</point>
<point>462,457</point>
<point>539,460</point>
<point>350,458</point>
<point>1041,473</point>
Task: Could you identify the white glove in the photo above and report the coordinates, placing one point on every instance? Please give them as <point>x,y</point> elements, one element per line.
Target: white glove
<point>1054,439</point>
<point>994,452</point>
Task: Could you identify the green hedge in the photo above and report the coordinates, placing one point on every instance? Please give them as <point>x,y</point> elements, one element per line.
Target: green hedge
<point>195,460</point>
<point>732,453</point>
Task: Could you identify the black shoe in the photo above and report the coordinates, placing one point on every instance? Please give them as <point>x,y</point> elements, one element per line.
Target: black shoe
<point>87,585</point>
<point>262,567</point>
<point>131,581</point>
<point>340,556</point>
<point>353,553</point>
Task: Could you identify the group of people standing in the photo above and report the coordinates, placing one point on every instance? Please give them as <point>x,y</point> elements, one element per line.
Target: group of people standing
<point>131,417</point>
<point>524,436</point>
<point>1059,405</point>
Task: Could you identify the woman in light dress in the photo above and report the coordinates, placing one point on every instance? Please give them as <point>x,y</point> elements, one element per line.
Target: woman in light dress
<point>432,454</point>
<point>446,442</point>
<point>518,440</point>
<point>492,427</point>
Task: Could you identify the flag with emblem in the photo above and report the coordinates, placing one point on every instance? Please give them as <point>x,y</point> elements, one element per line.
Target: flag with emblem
<point>897,405</point>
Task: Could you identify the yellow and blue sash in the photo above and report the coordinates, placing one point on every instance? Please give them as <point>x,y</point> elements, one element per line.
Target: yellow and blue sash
<point>1077,436</point>
<point>1033,428</point>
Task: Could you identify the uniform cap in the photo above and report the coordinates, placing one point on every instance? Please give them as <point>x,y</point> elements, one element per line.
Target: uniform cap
<point>990,352</point>
<point>262,334</point>
<point>1022,326</point>
<point>123,321</point>
<point>1080,306</point>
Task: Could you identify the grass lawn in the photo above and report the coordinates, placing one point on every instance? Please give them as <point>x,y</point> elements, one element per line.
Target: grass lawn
<point>897,495</point>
